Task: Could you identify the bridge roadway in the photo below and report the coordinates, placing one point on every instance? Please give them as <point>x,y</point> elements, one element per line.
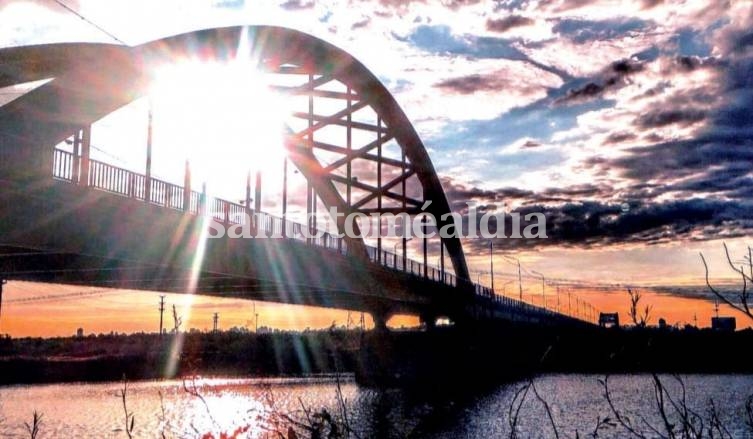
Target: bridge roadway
<point>103,235</point>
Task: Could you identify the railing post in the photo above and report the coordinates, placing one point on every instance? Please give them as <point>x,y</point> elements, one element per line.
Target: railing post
<point>257,197</point>
<point>131,185</point>
<point>441,259</point>
<point>85,154</point>
<point>248,198</point>
<point>203,199</point>
<point>285,197</point>
<point>187,188</point>
<point>76,157</point>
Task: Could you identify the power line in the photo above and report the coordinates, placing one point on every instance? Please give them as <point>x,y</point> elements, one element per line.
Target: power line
<point>56,297</point>
<point>98,27</point>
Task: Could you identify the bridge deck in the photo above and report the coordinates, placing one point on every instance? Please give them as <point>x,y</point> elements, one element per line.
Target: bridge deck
<point>103,232</point>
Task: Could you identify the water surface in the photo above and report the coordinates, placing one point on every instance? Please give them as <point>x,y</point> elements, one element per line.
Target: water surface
<point>576,403</point>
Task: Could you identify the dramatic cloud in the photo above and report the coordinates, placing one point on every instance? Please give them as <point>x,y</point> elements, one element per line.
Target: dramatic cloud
<point>594,224</point>
<point>473,83</point>
<point>662,118</point>
<point>629,124</point>
<point>613,76</point>
<point>619,137</point>
<point>502,25</point>
<point>583,31</point>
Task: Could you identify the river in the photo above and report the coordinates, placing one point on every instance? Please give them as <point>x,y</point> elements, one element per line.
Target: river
<point>576,403</point>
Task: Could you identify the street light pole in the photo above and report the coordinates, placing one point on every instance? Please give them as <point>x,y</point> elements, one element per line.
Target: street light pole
<point>285,196</point>
<point>394,255</point>
<point>520,275</point>
<point>558,298</point>
<point>405,251</point>
<point>491,261</point>
<point>543,287</point>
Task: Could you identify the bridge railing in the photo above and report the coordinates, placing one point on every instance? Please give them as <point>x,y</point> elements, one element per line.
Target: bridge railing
<point>120,181</point>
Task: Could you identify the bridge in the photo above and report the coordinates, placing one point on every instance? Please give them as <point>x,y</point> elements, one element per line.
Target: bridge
<point>68,218</point>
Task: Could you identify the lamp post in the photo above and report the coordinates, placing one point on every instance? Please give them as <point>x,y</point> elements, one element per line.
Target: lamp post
<point>394,251</point>
<point>504,286</point>
<point>558,298</point>
<point>491,261</point>
<point>284,196</point>
<point>520,276</point>
<point>543,287</point>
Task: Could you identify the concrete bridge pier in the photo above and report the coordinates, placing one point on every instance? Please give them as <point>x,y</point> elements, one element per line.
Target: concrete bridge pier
<point>428,320</point>
<point>380,317</point>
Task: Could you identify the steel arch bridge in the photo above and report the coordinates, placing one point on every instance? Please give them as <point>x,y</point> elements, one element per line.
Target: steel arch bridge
<point>361,155</point>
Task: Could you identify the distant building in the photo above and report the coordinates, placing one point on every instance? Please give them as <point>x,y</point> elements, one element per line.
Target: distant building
<point>609,320</point>
<point>662,324</point>
<point>80,332</point>
<point>726,324</point>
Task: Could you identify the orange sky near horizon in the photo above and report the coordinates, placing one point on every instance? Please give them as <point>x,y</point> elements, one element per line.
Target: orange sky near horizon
<point>135,311</point>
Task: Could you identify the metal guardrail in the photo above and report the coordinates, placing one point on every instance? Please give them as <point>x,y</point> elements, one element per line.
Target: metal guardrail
<point>120,181</point>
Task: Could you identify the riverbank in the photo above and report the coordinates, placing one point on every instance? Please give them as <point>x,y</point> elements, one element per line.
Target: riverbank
<point>481,354</point>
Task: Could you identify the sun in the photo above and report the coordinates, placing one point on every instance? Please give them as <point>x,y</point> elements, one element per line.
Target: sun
<point>221,116</point>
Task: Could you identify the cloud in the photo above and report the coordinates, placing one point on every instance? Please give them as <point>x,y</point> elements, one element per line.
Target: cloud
<point>613,76</point>
<point>583,31</point>
<point>297,5</point>
<point>619,137</point>
<point>440,39</point>
<point>473,83</point>
<point>593,224</point>
<point>661,118</point>
<point>502,25</point>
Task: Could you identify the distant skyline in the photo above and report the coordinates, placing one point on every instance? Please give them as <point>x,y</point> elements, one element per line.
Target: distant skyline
<point>628,124</point>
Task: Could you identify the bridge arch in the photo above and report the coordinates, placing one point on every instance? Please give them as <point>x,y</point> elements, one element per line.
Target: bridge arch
<point>92,80</point>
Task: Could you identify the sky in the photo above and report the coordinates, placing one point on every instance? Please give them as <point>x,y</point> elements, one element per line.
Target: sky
<point>627,123</point>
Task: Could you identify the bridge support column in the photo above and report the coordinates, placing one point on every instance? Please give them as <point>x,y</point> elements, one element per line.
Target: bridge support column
<point>380,320</point>
<point>428,320</point>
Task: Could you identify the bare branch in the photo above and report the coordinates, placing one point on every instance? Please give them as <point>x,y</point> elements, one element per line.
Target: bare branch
<point>744,307</point>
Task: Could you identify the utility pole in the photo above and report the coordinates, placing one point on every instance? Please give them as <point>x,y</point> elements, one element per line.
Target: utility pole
<point>569,302</point>
<point>215,320</point>
<point>2,282</point>
<point>520,281</point>
<point>161,312</point>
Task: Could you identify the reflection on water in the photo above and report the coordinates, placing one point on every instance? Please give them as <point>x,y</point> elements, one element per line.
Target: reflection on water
<point>95,410</point>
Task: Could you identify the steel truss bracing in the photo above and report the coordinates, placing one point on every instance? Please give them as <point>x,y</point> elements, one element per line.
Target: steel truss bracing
<point>348,136</point>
